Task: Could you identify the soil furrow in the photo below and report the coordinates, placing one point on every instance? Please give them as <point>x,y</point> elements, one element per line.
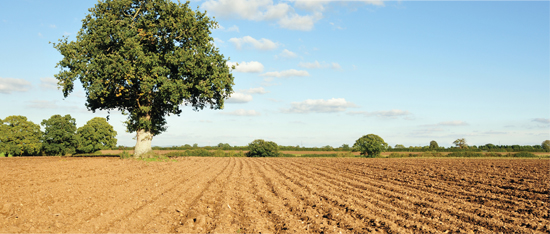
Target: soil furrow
<point>487,216</point>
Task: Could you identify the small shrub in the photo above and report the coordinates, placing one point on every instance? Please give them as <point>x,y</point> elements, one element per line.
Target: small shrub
<point>10,156</point>
<point>2,155</point>
<point>493,154</point>
<point>396,155</point>
<point>524,154</point>
<point>346,154</point>
<point>465,154</point>
<point>125,155</point>
<point>261,148</point>
<point>431,154</point>
<point>219,153</point>
<point>319,155</point>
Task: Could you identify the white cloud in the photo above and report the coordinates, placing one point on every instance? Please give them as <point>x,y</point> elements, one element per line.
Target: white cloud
<point>382,114</point>
<point>542,120</point>
<point>452,123</point>
<point>260,10</point>
<point>298,22</point>
<point>40,35</point>
<point>313,6</point>
<point>8,85</point>
<point>245,9</point>
<point>242,112</point>
<point>495,133</point>
<point>282,13</point>
<point>48,83</point>
<point>247,67</point>
<point>262,44</point>
<point>320,106</point>
<point>313,65</point>
<point>287,73</point>
<point>288,54</point>
<point>336,26</point>
<point>233,28</point>
<point>259,90</point>
<point>217,40</point>
<point>317,65</point>
<point>53,26</point>
<point>239,98</point>
<point>374,2</point>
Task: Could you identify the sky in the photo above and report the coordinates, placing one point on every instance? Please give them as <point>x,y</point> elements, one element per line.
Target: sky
<point>317,73</point>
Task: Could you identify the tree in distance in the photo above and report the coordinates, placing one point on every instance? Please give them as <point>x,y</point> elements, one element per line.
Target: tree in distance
<point>345,147</point>
<point>224,146</point>
<point>546,145</point>
<point>97,134</point>
<point>461,143</point>
<point>19,136</point>
<point>433,145</point>
<point>261,148</point>
<point>59,135</point>
<point>370,145</point>
<point>145,58</point>
<point>399,146</point>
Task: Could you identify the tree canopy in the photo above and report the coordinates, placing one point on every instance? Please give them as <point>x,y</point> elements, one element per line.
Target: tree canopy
<point>370,145</point>
<point>262,148</point>
<point>96,134</point>
<point>433,145</point>
<point>19,136</point>
<point>145,58</point>
<point>546,145</point>
<point>59,135</point>
<point>460,143</point>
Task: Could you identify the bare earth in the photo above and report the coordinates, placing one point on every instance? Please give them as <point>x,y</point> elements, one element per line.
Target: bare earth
<point>271,195</point>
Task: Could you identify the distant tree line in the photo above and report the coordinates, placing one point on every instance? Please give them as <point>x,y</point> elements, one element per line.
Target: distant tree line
<point>21,137</point>
<point>460,145</point>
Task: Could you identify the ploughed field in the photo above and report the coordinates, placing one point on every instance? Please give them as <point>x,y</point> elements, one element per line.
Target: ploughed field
<point>274,195</point>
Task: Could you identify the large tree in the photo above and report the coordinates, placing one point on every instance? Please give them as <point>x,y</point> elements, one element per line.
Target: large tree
<point>145,58</point>
<point>370,145</point>
<point>59,135</point>
<point>19,136</point>
<point>96,134</point>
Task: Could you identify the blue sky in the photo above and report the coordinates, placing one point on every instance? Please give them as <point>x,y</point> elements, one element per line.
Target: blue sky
<point>318,73</point>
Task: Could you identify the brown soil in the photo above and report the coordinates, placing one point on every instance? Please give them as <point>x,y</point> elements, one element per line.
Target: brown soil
<point>271,195</point>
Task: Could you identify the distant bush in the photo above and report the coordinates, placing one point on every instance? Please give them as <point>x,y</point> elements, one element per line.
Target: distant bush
<point>218,153</point>
<point>319,155</point>
<point>345,155</point>
<point>524,155</point>
<point>205,153</point>
<point>125,154</point>
<point>493,154</point>
<point>465,154</point>
<point>396,155</point>
<point>431,154</point>
<point>261,148</point>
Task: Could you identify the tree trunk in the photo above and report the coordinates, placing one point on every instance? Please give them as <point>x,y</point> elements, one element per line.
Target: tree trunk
<point>143,143</point>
